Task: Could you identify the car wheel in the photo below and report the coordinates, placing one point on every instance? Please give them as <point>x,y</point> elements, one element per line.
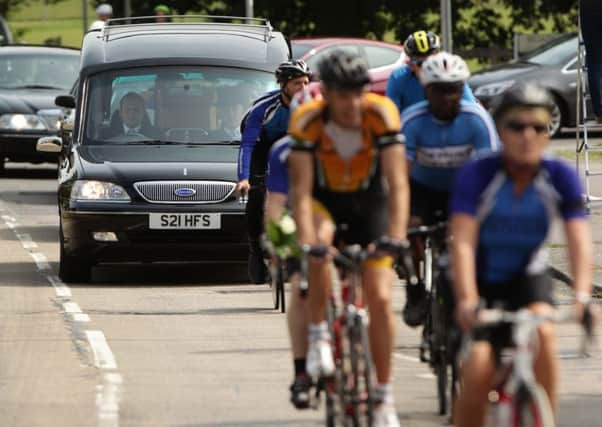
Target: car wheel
<point>2,164</point>
<point>73,269</point>
<point>557,118</point>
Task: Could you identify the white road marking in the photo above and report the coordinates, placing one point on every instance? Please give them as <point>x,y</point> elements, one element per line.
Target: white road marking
<point>40,260</point>
<point>80,317</point>
<point>71,307</point>
<point>108,395</point>
<point>406,357</point>
<point>426,376</point>
<point>26,241</point>
<point>107,400</point>
<point>103,357</point>
<point>61,290</point>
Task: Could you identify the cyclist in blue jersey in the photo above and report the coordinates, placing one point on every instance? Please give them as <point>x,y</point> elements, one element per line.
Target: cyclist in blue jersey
<point>264,123</point>
<point>441,134</point>
<point>502,207</point>
<point>277,185</point>
<point>404,86</point>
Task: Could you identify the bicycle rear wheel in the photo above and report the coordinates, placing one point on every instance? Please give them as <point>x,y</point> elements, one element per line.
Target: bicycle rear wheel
<point>280,290</point>
<point>275,273</point>
<point>532,408</point>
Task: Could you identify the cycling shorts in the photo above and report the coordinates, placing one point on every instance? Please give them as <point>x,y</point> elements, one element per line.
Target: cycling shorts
<point>512,296</point>
<point>357,220</point>
<point>425,203</point>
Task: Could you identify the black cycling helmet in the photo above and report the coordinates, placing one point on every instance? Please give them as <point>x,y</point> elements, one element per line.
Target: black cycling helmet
<point>344,70</point>
<point>422,43</point>
<point>522,95</point>
<point>291,70</point>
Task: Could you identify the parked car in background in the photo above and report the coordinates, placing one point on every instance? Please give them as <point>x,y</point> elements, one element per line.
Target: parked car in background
<point>30,79</point>
<point>148,167</point>
<point>554,66</point>
<point>382,57</point>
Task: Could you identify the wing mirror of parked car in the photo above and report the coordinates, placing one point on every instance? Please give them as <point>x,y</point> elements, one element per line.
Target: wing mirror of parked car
<point>66,101</point>
<point>49,144</point>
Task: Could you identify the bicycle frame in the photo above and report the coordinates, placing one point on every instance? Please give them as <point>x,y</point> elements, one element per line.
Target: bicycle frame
<point>349,395</point>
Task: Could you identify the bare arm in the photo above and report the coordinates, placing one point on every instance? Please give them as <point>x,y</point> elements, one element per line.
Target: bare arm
<point>301,177</point>
<point>580,254</point>
<point>464,229</point>
<point>394,170</point>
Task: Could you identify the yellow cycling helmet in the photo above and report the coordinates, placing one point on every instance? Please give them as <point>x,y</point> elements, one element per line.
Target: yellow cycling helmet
<point>422,43</point>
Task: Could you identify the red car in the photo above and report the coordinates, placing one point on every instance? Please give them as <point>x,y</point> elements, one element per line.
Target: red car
<point>382,57</point>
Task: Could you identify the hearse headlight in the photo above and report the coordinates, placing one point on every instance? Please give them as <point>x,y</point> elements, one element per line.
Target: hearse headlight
<point>21,122</point>
<point>98,190</point>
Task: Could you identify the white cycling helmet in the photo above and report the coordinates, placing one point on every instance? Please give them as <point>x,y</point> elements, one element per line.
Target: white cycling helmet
<point>443,67</point>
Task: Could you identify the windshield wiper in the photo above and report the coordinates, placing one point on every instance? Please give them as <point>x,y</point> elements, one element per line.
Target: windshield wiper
<point>37,87</point>
<point>154,142</point>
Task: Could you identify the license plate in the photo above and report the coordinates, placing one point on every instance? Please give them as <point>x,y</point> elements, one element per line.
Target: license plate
<point>193,221</point>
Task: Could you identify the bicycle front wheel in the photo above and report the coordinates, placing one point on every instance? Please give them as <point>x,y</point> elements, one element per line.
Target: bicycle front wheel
<point>532,408</point>
<point>361,366</point>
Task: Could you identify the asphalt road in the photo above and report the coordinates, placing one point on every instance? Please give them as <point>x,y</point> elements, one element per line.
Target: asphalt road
<point>176,345</point>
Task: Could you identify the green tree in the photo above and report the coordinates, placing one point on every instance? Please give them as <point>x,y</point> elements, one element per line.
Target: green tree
<point>7,6</point>
<point>476,24</point>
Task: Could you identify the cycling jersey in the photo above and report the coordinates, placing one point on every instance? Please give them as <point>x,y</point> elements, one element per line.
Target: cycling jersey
<point>437,149</point>
<point>405,90</point>
<point>513,228</point>
<point>265,122</point>
<point>277,174</point>
<point>347,180</point>
<point>345,160</point>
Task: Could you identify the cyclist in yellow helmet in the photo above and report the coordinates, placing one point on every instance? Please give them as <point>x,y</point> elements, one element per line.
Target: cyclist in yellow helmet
<point>404,86</point>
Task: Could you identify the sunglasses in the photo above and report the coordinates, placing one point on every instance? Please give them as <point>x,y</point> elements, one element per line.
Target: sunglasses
<point>517,126</point>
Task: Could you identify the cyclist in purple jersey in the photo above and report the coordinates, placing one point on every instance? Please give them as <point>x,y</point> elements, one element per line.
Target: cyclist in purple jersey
<point>502,206</point>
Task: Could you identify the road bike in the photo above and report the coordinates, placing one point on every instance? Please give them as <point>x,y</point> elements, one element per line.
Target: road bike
<point>349,396</point>
<point>440,339</point>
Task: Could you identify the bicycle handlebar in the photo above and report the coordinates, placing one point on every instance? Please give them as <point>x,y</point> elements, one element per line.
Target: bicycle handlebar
<point>492,317</point>
<point>351,257</point>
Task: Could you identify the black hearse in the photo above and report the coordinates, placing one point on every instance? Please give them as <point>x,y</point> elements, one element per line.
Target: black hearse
<point>148,162</point>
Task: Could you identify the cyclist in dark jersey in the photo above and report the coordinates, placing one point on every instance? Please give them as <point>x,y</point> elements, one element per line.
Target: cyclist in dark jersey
<point>276,213</point>
<point>502,207</point>
<point>263,124</point>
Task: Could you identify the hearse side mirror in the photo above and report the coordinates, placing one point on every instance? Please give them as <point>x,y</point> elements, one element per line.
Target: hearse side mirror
<point>66,101</point>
